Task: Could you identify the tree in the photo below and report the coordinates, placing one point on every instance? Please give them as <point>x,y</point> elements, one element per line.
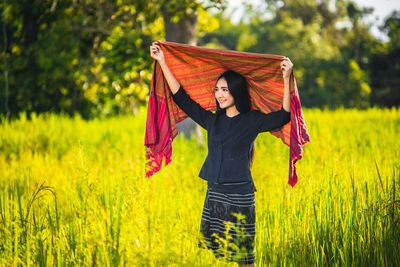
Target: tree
<point>385,66</point>
<point>36,77</point>
<point>89,56</point>
<point>327,69</point>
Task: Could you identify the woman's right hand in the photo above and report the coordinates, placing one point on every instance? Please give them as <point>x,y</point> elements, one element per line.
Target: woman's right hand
<point>157,53</point>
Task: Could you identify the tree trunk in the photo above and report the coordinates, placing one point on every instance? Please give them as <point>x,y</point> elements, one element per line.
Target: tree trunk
<point>184,31</point>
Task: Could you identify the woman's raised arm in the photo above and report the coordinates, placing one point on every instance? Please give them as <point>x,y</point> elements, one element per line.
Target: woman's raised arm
<point>158,54</point>
<point>181,98</point>
<point>287,67</point>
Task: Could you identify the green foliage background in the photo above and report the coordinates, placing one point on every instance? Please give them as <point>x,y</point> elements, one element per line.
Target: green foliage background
<point>92,57</point>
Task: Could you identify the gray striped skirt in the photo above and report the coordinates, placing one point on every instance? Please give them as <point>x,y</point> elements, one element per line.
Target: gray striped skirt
<point>228,225</point>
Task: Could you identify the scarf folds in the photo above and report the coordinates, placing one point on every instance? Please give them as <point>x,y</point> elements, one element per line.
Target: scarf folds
<point>197,70</point>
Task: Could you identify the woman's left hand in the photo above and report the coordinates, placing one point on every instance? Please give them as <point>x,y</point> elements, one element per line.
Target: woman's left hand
<point>286,67</point>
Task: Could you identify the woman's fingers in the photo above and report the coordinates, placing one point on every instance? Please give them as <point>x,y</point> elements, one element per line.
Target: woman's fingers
<point>155,48</point>
<point>286,67</point>
<point>286,63</point>
<point>156,52</point>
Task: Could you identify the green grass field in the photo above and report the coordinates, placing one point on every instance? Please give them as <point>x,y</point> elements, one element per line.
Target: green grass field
<point>73,193</point>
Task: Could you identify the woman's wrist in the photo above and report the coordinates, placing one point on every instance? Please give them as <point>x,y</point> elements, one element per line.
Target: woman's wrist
<point>286,79</point>
<point>163,65</point>
<point>162,62</point>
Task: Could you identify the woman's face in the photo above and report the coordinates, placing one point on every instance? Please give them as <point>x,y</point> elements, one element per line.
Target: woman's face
<point>222,94</point>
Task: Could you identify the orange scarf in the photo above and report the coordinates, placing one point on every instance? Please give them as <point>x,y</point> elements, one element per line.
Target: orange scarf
<point>197,70</point>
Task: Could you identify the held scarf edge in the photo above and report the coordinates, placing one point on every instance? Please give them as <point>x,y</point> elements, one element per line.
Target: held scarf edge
<point>196,69</point>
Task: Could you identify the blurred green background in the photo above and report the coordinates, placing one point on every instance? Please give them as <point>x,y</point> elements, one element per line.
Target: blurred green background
<point>74,84</point>
<point>92,56</point>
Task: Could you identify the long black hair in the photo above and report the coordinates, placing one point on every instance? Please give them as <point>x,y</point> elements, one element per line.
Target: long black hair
<point>237,87</point>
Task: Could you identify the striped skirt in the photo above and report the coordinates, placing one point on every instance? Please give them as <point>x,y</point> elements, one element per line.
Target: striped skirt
<point>228,225</point>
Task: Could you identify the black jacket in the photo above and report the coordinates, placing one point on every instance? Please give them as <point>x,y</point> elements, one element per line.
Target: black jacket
<point>230,139</point>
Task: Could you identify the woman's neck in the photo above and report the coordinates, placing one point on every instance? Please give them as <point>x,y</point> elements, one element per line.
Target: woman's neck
<point>231,111</point>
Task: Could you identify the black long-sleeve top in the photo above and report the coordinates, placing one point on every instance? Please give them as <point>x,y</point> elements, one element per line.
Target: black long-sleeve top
<point>230,139</point>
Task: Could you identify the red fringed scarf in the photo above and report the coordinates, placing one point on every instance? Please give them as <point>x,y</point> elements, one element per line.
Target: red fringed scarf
<point>197,70</point>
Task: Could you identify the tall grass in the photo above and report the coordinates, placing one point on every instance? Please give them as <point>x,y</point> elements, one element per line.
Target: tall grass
<point>72,193</point>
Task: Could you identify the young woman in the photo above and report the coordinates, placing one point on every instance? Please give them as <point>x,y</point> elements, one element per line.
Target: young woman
<point>229,216</point>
